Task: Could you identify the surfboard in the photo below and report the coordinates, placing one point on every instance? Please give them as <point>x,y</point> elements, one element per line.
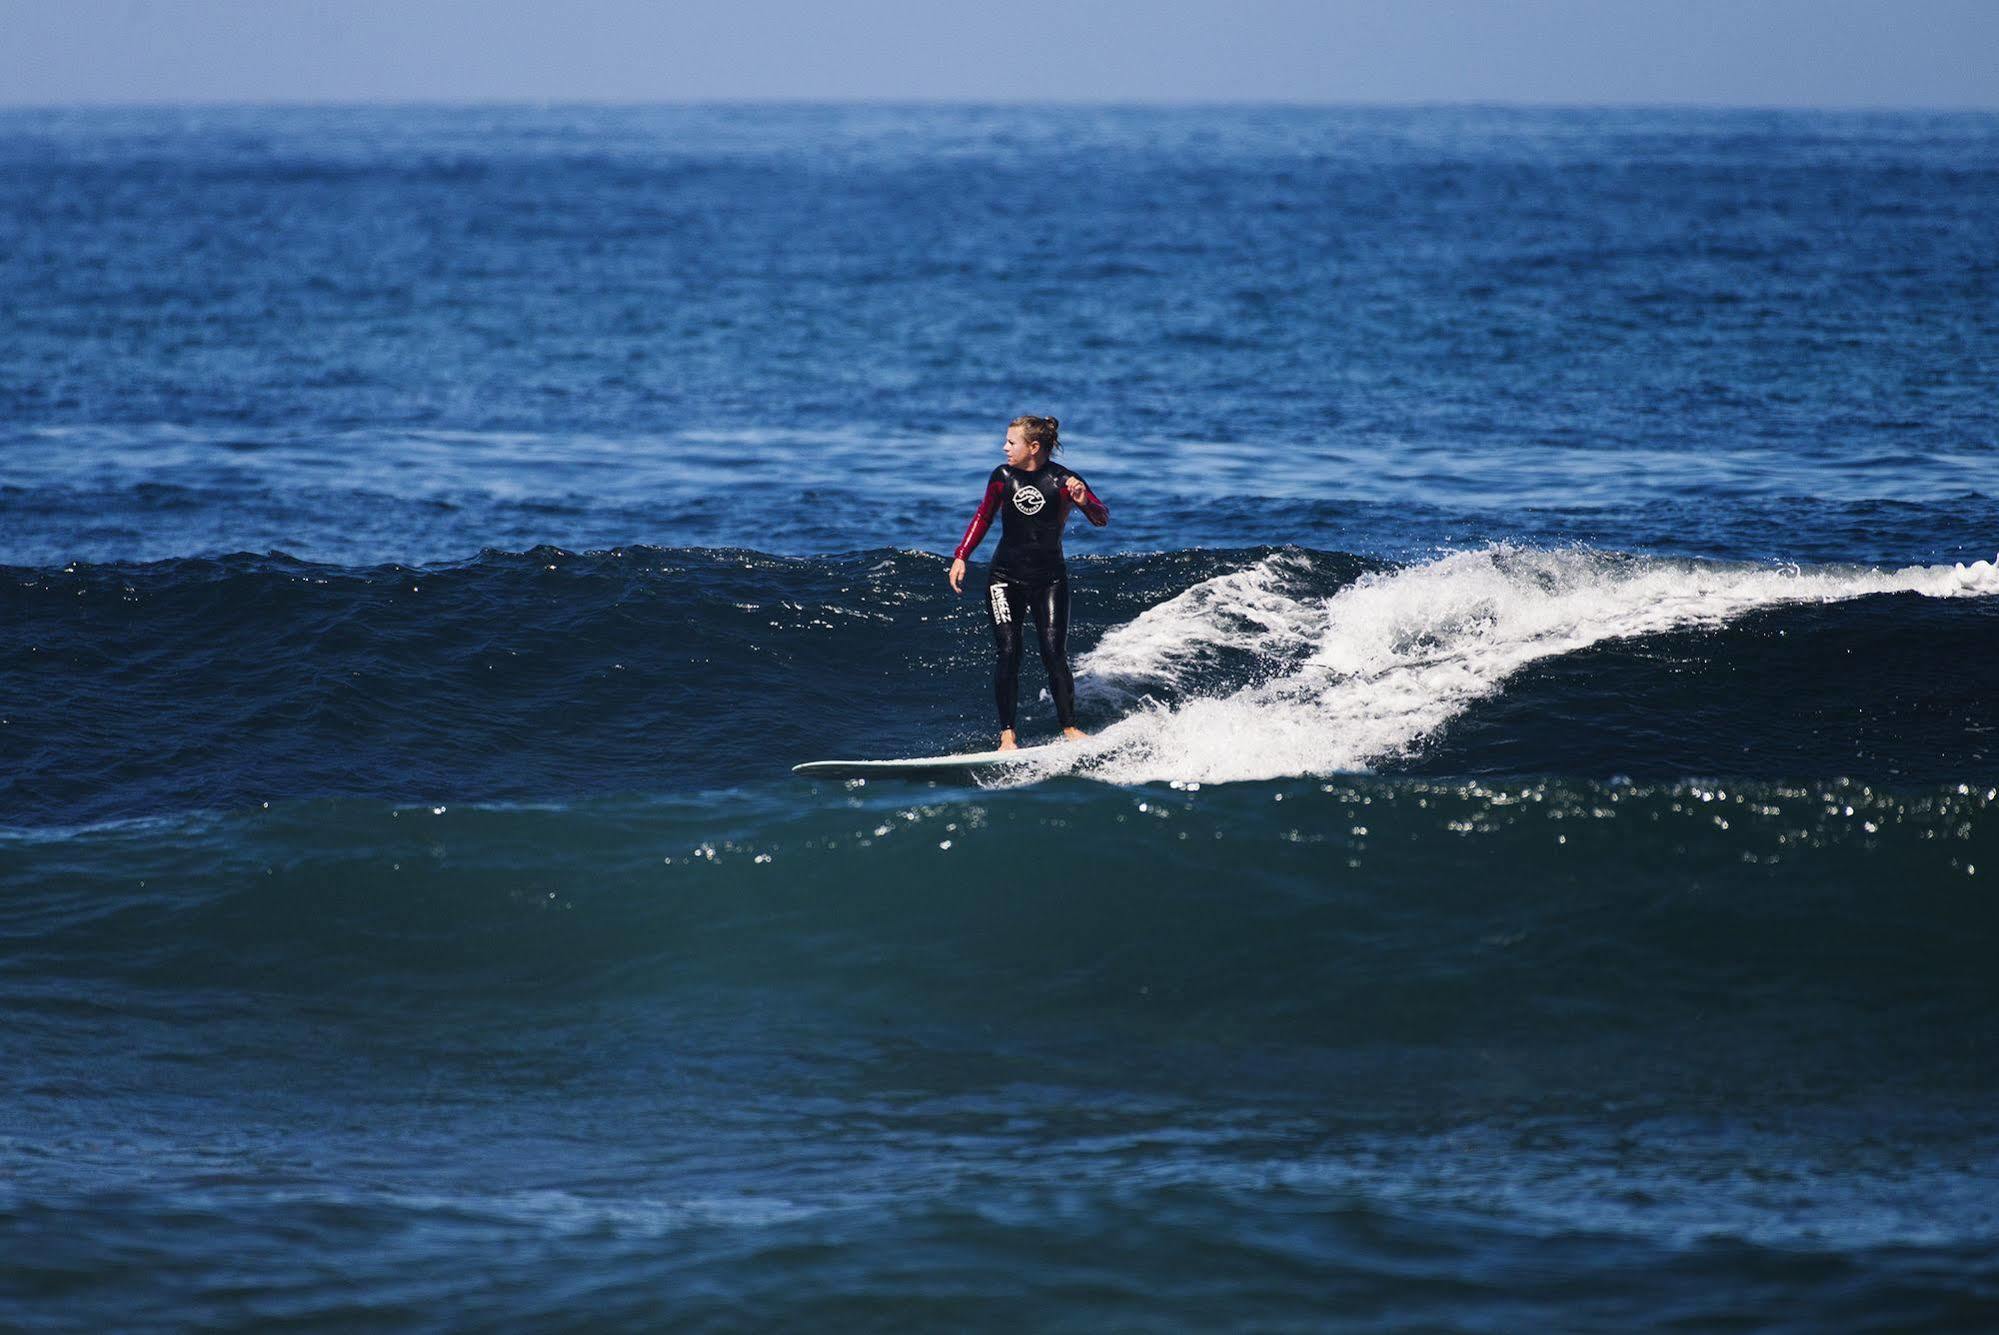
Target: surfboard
<point>972,762</point>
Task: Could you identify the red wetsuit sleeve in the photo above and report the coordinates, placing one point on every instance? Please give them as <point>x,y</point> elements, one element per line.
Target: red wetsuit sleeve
<point>1093,509</point>
<point>975,531</point>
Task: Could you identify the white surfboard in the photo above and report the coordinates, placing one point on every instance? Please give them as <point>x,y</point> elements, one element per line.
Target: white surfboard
<point>972,762</point>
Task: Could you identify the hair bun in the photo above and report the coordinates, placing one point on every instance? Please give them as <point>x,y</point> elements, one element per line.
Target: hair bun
<point>1054,424</point>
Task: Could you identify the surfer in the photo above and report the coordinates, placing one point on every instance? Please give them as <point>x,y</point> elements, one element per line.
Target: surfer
<point>1033,496</point>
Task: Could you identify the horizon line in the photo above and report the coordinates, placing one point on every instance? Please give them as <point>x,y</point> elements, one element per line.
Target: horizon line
<point>969,104</point>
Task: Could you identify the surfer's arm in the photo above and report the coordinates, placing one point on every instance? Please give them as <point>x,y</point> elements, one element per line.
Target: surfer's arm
<point>975,531</point>
<point>1086,500</point>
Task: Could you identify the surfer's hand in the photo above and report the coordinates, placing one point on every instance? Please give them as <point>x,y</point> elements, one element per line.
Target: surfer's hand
<point>957,577</point>
<point>1077,491</point>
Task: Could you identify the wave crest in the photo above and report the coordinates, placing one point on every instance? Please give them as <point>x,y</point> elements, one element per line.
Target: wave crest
<point>1362,677</point>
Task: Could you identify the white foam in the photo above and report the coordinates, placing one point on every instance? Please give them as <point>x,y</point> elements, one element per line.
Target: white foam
<point>1259,609</point>
<point>1364,676</point>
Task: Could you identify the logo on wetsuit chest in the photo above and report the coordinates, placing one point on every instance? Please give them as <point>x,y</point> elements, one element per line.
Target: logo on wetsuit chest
<point>1029,500</point>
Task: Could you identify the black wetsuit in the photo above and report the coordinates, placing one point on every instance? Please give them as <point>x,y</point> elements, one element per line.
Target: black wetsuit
<point>1030,576</point>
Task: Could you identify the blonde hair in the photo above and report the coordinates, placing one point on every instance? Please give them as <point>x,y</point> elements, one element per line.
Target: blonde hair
<point>1042,431</point>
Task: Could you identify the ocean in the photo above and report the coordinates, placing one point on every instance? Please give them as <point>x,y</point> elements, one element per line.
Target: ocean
<point>1531,869</point>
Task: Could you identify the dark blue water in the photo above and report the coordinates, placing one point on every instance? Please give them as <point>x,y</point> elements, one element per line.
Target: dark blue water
<point>1531,868</point>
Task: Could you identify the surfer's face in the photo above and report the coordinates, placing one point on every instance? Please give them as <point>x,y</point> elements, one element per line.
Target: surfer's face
<point>1018,452</point>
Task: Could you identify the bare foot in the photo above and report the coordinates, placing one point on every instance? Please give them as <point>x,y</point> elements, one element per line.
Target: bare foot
<point>1074,734</point>
<point>1007,742</point>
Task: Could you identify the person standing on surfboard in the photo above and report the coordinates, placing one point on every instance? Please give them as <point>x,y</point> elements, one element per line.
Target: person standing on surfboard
<point>1033,496</point>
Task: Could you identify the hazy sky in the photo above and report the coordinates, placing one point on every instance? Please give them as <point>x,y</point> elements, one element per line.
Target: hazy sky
<point>1838,53</point>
